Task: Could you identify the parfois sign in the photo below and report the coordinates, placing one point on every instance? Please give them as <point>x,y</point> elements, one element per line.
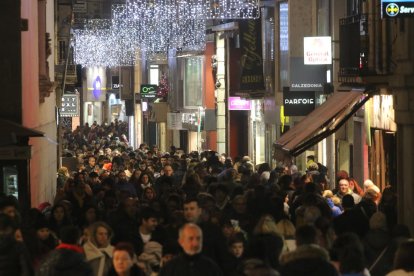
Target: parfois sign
<point>298,103</point>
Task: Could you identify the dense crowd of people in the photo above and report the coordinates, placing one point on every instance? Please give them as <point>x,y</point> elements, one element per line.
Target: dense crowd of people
<point>126,211</point>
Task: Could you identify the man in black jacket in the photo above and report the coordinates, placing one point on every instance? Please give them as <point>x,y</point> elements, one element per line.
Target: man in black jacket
<point>191,261</point>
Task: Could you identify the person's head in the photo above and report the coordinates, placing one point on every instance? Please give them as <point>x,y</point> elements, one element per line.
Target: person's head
<point>42,228</point>
<point>58,212</point>
<point>69,234</point>
<point>129,205</point>
<point>236,246</point>
<point>100,234</point>
<point>348,202</point>
<point>168,170</point>
<point>144,178</point>
<point>404,257</point>
<point>92,161</point>
<point>149,219</point>
<point>265,225</point>
<point>122,259</point>
<point>91,214</point>
<point>343,185</point>
<point>149,193</point>
<point>163,161</point>
<point>306,234</point>
<point>8,207</point>
<point>368,184</point>
<point>239,204</point>
<point>221,193</point>
<point>122,177</point>
<point>7,226</point>
<point>286,228</point>
<point>192,210</point>
<point>190,238</point>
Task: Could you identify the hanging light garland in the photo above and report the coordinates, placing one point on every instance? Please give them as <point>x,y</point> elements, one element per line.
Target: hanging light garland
<point>219,9</point>
<point>153,28</point>
<point>92,44</point>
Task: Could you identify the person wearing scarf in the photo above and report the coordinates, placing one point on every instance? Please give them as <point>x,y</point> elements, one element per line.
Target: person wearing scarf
<point>98,250</point>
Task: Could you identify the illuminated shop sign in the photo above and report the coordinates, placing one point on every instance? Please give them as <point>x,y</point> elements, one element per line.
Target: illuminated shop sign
<point>237,103</point>
<point>96,85</point>
<point>69,107</point>
<point>397,8</point>
<point>148,91</point>
<point>298,103</point>
<point>317,50</point>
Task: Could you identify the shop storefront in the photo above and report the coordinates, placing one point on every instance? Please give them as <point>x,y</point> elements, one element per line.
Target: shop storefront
<point>381,138</point>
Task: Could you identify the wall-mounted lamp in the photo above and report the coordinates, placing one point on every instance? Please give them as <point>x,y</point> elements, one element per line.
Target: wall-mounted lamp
<point>218,83</point>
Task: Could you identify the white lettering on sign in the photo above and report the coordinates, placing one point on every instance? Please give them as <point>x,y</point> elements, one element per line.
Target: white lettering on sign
<point>299,101</point>
<point>306,85</point>
<point>404,9</point>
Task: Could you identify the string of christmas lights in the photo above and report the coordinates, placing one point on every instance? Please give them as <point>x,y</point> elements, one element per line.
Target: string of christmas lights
<point>152,28</point>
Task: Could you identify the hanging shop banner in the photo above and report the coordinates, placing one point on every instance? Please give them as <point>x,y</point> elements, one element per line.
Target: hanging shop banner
<point>251,78</point>
<point>397,8</point>
<point>317,50</point>
<point>298,103</point>
<point>95,85</point>
<point>306,77</point>
<point>70,106</point>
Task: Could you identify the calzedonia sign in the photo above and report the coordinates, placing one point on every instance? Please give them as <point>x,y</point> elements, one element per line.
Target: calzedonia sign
<point>397,8</point>
<point>298,103</point>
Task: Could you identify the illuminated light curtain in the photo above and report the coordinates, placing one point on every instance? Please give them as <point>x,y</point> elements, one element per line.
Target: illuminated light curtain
<point>93,45</point>
<point>125,34</point>
<point>218,9</point>
<point>161,28</point>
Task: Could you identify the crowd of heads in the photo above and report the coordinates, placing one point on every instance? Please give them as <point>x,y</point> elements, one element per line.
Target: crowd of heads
<point>149,206</point>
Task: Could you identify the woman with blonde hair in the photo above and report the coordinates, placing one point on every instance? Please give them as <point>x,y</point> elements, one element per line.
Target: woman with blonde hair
<point>98,250</point>
<point>266,244</point>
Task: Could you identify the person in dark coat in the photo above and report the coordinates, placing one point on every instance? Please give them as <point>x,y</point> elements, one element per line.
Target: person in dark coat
<point>351,220</point>
<point>14,258</point>
<point>191,262</point>
<point>67,259</point>
<point>124,222</point>
<point>308,258</point>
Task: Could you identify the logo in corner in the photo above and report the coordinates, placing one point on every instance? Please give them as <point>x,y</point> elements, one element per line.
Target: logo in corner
<point>392,9</point>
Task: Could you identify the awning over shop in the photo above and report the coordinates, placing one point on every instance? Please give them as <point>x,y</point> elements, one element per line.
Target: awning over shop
<point>13,133</point>
<point>322,122</point>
